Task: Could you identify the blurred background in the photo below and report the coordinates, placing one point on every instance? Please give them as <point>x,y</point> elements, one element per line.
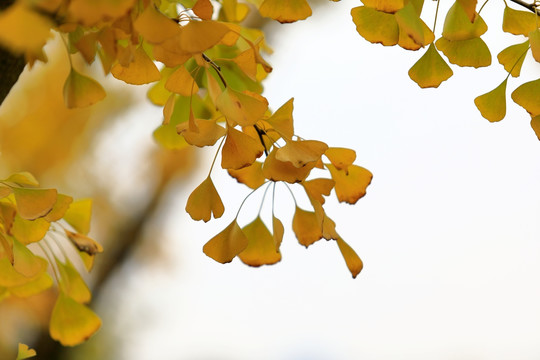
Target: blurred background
<point>449,231</point>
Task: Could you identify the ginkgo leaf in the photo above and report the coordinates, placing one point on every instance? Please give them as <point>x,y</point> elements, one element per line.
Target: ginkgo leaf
<point>350,186</point>
<point>316,188</point>
<point>84,243</point>
<point>306,226</point>
<point>341,158</point>
<point>15,32</point>
<point>198,36</point>
<point>208,132</point>
<point>282,120</point>
<point>512,58</point>
<point>34,203</point>
<point>469,6</point>
<point>458,26</point>
<point>87,46</point>
<point>205,201</point>
<point>518,22</point>
<point>492,105</point>
<point>29,231</point>
<point>430,70</point>
<point>90,12</point>
<point>246,62</point>
<point>60,207</point>
<point>234,11</point>
<point>388,6</point>
<point>528,96</point>
<point>38,284</point>
<point>473,52</point>
<point>353,261</point>
<point>300,153</point>
<point>227,244</point>
<point>181,82</point>
<point>72,284</point>
<point>276,170</point>
<point>278,231</point>
<point>411,23</point>
<point>534,40</point>
<point>241,108</point>
<point>24,352</point>
<point>11,278</point>
<point>81,90</point>
<point>167,136</point>
<point>376,26</point>
<point>23,178</point>
<point>170,52</point>
<point>79,215</point>
<point>261,248</point>
<point>285,11</point>
<point>240,150</point>
<point>25,262</point>
<point>168,109</point>
<point>535,124</point>
<point>72,322</point>
<point>251,175</point>
<point>203,9</point>
<point>155,27</point>
<point>141,70</point>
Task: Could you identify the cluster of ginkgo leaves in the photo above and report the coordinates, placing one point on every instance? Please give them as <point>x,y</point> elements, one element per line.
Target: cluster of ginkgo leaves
<point>392,22</point>
<point>35,220</point>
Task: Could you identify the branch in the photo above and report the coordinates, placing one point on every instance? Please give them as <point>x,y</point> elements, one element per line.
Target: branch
<point>528,6</point>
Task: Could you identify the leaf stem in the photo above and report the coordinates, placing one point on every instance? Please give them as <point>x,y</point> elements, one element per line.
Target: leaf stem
<point>481,7</point>
<point>262,201</point>
<point>517,61</point>
<point>292,194</point>
<point>52,263</point>
<point>243,201</point>
<point>436,14</point>
<point>215,156</point>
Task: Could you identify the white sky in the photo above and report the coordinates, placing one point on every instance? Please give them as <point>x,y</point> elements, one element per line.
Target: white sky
<point>449,230</point>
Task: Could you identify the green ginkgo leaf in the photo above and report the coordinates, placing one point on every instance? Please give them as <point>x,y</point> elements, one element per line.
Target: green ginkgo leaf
<point>458,26</point>
<point>512,58</point>
<point>431,69</point>
<point>528,97</point>
<point>411,23</point>
<point>376,26</point>
<point>492,105</point>
<point>81,90</point>
<point>518,22</point>
<point>25,352</point>
<point>473,52</point>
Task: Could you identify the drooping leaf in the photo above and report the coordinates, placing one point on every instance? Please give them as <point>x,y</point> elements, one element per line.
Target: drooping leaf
<point>72,283</point>
<point>473,52</point>
<point>34,203</point>
<point>168,137</point>
<point>285,11</point>
<point>458,26</point>
<point>79,215</point>
<point>353,261</point>
<point>198,36</point>
<point>534,40</point>
<point>261,248</point>
<point>141,70</point>
<point>469,6</point>
<point>247,63</point>
<point>25,262</point>
<point>518,22</point>
<point>411,23</point>
<point>24,352</point>
<point>72,322</point>
<point>205,201</point>
<point>388,6</point>
<point>278,231</point>
<point>512,58</point>
<point>376,26</point>
<point>227,244</point>
<point>81,90</point>
<point>241,108</point>
<point>208,132</point>
<point>11,278</point>
<point>492,105</point>
<point>36,285</point>
<point>300,153</point>
<point>350,186</point>
<point>276,170</point>
<point>282,120</point>
<point>240,150</point>
<point>316,188</point>
<point>430,70</point>
<point>251,176</point>
<point>29,231</point>
<point>306,226</point>
<point>341,158</point>
<point>181,82</point>
<point>155,27</point>
<point>528,96</point>
<point>60,207</point>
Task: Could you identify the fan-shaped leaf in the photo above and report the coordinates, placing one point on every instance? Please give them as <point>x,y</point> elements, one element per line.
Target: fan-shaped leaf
<point>72,283</point>
<point>81,90</point>
<point>241,108</point>
<point>350,186</point>
<point>307,227</point>
<point>181,82</point>
<point>261,248</point>
<point>285,11</point>
<point>512,58</point>
<point>473,52</point>
<point>240,150</point>
<point>276,170</point>
<point>528,96</point>
<point>205,201</point>
<point>430,70</point>
<point>227,244</point>
<point>518,22</point>
<point>34,203</point>
<point>198,36</point>
<point>154,26</point>
<point>29,231</point>
<point>141,70</point>
<point>251,175</point>
<point>458,26</point>
<point>25,352</point>
<point>79,214</point>
<point>300,153</point>
<point>376,26</point>
<point>492,105</point>
<point>534,39</point>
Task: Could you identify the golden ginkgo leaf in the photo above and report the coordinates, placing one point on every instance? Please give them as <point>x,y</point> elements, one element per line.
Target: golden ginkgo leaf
<point>251,176</point>
<point>72,322</point>
<point>241,108</point>
<point>60,207</point>
<point>205,201</point>
<point>285,11</point>
<point>81,90</point>
<point>155,27</point>
<point>208,132</point>
<point>472,52</point>
<point>247,63</point>
<point>261,248</point>
<point>29,231</point>
<point>240,150</point>
<point>72,284</point>
<point>141,70</point>
<point>282,120</point>
<point>12,278</point>
<point>25,262</point>
<point>353,261</point>
<point>528,96</point>
<point>388,6</point>
<point>276,170</point>
<point>512,57</point>
<point>227,244</point>
<point>518,22</point>
<point>181,82</point>
<point>34,203</point>
<point>410,23</point>
<point>79,215</point>
<point>306,226</point>
<point>203,9</point>
<point>376,26</point>
<point>430,70</point>
<point>341,158</point>
<point>492,105</point>
<point>6,248</point>
<point>198,36</point>
<point>90,12</point>
<point>316,188</point>
<point>84,243</point>
<point>33,287</point>
<point>23,178</point>
<point>350,186</point>
<point>301,152</point>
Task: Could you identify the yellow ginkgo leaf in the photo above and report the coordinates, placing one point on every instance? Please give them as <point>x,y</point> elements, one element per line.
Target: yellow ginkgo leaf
<point>470,8</point>
<point>72,284</point>
<point>261,248</point>
<point>285,11</point>
<point>247,63</point>
<point>81,90</point>
<point>198,36</point>
<point>492,105</point>
<point>25,262</point>
<point>170,53</point>
<point>155,27</point>
<point>276,170</point>
<point>25,352</point>
<point>473,52</point>
<point>411,23</point>
<point>251,175</point>
<point>35,286</point>
<point>79,215</point>
<point>205,201</point>
<point>240,150</point>
<point>11,278</point>
<point>227,244</point>
<point>350,186</point>
<point>141,70</point>
<point>23,178</point>
<point>535,124</point>
<point>278,231</point>
<point>458,26</point>
<point>181,82</point>
<point>300,153</point>
<point>430,70</point>
<point>512,58</point>
<point>203,9</point>
<point>60,207</point>
<point>518,22</point>
<point>341,158</point>
<point>208,132</point>
<point>241,108</point>
<point>29,231</point>
<point>282,120</point>
<point>84,243</point>
<point>528,96</point>
<point>72,322</point>
<point>376,26</point>
<point>87,46</point>
<point>316,188</point>
<point>353,261</point>
<point>34,203</point>
<point>534,40</point>
<point>306,226</point>
<point>388,6</point>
